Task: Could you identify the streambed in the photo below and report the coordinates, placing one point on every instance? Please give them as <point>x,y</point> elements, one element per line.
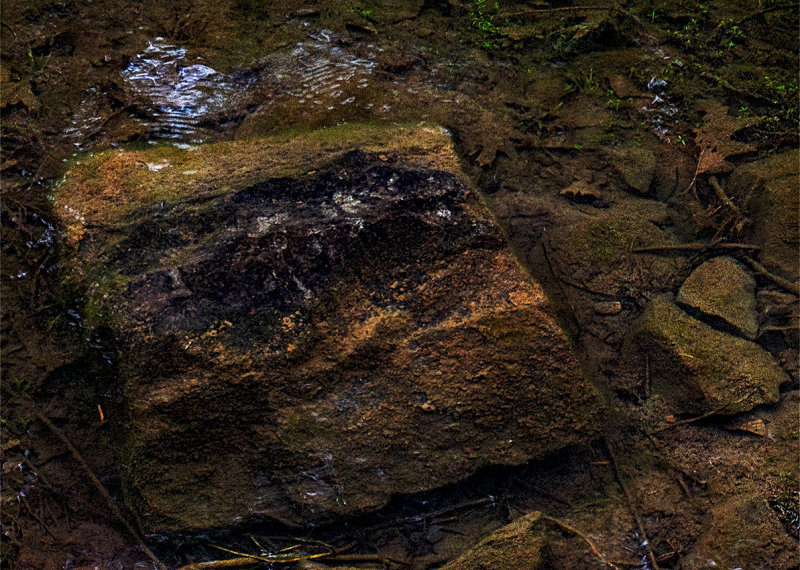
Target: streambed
<point>589,130</point>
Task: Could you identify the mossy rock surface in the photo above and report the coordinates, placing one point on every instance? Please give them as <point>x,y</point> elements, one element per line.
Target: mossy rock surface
<point>699,369</point>
<point>723,290</point>
<point>520,544</point>
<point>598,251</point>
<point>312,323</point>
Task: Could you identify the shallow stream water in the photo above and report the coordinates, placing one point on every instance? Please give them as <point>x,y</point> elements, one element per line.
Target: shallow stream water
<point>179,92</point>
<point>539,97</point>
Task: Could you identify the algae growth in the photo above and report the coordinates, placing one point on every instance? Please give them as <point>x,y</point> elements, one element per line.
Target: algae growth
<point>619,147</point>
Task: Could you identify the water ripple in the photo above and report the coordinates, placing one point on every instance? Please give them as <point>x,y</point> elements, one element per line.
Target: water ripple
<point>325,71</point>
<point>179,93</point>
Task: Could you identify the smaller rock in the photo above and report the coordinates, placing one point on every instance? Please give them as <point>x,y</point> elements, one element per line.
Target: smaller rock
<point>742,532</point>
<point>515,545</point>
<point>637,166</point>
<point>391,11</point>
<point>723,288</point>
<point>774,201</point>
<point>699,369</point>
<point>608,308</point>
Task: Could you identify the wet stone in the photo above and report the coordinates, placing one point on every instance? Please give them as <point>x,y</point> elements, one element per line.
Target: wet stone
<point>516,545</point>
<point>698,369</point>
<point>306,329</point>
<point>740,536</point>
<point>608,308</point>
<point>723,289</point>
<point>637,166</point>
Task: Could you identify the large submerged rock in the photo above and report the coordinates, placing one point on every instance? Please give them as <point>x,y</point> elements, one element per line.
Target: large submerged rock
<point>311,324</point>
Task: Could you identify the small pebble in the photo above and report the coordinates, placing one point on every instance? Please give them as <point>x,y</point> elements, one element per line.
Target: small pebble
<point>608,308</point>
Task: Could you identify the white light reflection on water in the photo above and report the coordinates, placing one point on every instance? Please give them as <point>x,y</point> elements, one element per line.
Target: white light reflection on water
<point>180,93</point>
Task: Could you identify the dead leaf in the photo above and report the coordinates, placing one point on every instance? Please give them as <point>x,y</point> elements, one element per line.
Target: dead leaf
<point>714,138</point>
<point>581,192</point>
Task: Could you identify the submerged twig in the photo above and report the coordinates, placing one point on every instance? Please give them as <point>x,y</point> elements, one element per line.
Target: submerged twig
<point>667,249</point>
<point>250,559</point>
<point>36,517</point>
<point>100,488</point>
<point>433,514</point>
<point>576,532</point>
<point>229,563</point>
<point>692,185</point>
<point>356,558</point>
<point>731,87</point>
<point>713,412</point>
<point>534,11</point>
<point>632,507</point>
<point>790,286</point>
<point>12,30</point>
<point>289,555</point>
<point>763,11</point>
<point>723,197</point>
<point>691,247</point>
<point>763,330</point>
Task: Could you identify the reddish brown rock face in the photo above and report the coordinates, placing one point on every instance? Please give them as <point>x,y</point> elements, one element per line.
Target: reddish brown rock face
<point>307,327</point>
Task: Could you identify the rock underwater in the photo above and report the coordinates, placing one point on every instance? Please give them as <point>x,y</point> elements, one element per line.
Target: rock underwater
<point>699,369</point>
<point>309,324</point>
